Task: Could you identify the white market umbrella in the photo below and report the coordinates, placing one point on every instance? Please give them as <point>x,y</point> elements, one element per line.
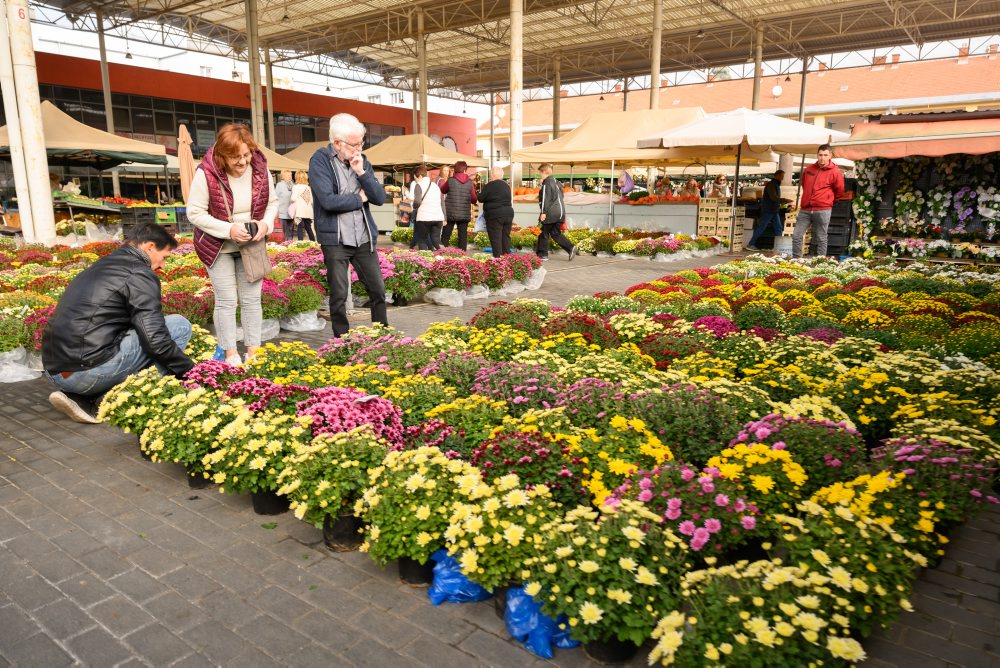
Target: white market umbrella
<point>744,130</point>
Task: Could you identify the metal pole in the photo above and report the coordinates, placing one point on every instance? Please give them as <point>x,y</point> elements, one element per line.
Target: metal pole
<point>492,127</point>
<point>253,61</point>
<point>758,67</point>
<point>736,187</point>
<point>269,73</point>
<point>9,89</point>
<point>556,98</point>
<point>624,97</point>
<point>802,91</point>
<point>422,66</point>
<point>516,87</point>
<point>109,112</point>
<point>29,107</point>
<point>416,118</point>
<point>611,196</point>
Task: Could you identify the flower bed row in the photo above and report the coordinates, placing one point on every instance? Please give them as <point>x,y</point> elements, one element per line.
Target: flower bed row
<point>740,492</point>
<point>921,248</point>
<point>33,278</point>
<point>621,241</point>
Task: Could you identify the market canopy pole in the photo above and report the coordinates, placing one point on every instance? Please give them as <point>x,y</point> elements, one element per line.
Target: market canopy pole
<point>556,99</point>
<point>8,88</point>
<point>253,61</point>
<point>269,73</point>
<point>29,107</point>
<point>516,86</point>
<point>416,120</point>
<point>492,127</point>
<point>758,65</point>
<point>109,114</point>
<point>422,66</point>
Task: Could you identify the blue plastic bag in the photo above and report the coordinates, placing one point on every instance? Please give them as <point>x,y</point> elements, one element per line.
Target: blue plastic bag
<point>220,354</point>
<point>527,624</point>
<point>450,585</point>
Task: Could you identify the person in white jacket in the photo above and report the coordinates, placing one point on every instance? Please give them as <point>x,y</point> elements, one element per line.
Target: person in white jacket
<point>302,199</point>
<point>429,215</point>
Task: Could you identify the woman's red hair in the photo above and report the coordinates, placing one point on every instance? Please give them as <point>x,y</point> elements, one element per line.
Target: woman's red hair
<point>227,143</point>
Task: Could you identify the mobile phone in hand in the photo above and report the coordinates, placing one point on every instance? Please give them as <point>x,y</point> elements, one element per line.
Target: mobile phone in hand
<point>252,229</point>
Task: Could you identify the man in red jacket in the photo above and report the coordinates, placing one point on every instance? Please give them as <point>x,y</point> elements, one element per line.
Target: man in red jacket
<point>822,185</point>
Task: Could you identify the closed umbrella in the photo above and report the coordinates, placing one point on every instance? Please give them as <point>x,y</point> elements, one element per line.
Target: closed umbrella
<point>185,160</point>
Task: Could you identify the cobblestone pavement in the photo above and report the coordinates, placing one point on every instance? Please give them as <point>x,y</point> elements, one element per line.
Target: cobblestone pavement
<point>107,559</point>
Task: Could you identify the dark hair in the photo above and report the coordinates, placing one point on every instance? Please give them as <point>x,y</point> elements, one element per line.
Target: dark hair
<point>779,171</point>
<point>461,166</point>
<point>227,142</point>
<point>419,171</point>
<point>144,232</point>
<point>823,147</point>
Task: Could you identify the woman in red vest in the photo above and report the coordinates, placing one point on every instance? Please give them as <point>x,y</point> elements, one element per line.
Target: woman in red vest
<point>232,202</point>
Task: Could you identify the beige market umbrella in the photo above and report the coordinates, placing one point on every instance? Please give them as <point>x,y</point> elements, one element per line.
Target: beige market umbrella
<point>185,160</point>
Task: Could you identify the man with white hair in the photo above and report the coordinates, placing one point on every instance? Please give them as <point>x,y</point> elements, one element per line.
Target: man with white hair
<point>343,185</point>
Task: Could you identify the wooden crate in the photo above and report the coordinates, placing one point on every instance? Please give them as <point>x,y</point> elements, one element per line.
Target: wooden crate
<point>708,230</point>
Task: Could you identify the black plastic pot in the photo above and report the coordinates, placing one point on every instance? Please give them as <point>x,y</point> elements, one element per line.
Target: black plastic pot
<point>342,533</point>
<point>196,479</point>
<point>268,503</point>
<point>414,573</point>
<point>611,651</point>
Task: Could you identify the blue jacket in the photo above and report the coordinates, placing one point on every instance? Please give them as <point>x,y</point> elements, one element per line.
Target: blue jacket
<point>328,202</point>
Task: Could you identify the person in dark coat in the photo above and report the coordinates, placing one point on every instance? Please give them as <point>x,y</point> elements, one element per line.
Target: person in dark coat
<point>552,215</point>
<point>770,211</point>
<point>109,324</point>
<point>343,186</point>
<point>460,196</point>
<point>498,210</point>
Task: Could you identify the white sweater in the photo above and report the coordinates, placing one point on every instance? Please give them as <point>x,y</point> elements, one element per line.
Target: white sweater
<point>303,209</point>
<point>430,210</point>
<point>197,207</point>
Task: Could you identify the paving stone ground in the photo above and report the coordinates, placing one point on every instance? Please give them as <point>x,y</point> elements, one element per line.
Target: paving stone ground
<point>107,559</point>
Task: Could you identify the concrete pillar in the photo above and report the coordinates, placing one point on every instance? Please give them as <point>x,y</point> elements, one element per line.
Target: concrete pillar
<point>758,64</point>
<point>556,96</point>
<point>785,164</point>
<point>29,109</point>
<point>109,112</point>
<point>9,89</point>
<point>253,60</point>
<point>654,55</point>
<point>422,65</point>
<point>269,81</point>
<point>516,86</point>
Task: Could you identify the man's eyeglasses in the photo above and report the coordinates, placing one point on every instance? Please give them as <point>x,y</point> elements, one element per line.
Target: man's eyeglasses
<point>356,147</point>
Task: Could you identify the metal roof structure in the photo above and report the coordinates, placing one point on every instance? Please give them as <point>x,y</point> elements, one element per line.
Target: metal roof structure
<point>467,41</point>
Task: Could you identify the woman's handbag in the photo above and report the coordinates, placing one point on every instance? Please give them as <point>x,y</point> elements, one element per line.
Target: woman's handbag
<point>256,261</point>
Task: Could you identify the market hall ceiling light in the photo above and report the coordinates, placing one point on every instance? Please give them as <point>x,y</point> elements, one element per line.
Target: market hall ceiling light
<point>701,34</point>
<point>128,54</point>
<point>788,78</point>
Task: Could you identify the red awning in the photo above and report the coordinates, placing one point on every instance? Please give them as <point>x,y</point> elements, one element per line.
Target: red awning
<point>973,136</point>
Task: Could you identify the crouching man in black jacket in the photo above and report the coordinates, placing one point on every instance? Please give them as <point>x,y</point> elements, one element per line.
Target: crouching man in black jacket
<point>109,325</point>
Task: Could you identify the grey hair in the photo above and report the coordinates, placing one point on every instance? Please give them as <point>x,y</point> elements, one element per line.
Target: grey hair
<point>343,126</point>
<point>497,172</point>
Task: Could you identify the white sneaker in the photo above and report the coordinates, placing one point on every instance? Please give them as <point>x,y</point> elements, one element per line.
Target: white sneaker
<point>71,409</point>
<point>234,360</point>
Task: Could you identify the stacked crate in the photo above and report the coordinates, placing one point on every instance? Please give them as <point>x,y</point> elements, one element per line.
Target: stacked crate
<point>715,217</point>
<point>708,215</point>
